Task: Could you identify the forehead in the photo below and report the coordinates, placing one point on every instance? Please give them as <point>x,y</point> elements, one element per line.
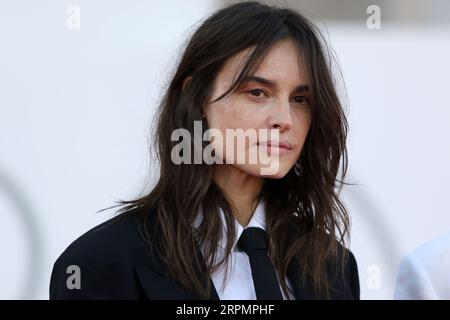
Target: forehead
<point>282,63</point>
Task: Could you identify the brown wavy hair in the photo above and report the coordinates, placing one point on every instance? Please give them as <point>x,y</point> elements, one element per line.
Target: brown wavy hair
<point>304,202</point>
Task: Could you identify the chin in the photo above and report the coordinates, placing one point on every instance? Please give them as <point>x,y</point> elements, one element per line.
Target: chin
<point>277,175</point>
<point>276,171</point>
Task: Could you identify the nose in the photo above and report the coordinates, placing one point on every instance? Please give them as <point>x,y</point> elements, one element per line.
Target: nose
<point>280,117</point>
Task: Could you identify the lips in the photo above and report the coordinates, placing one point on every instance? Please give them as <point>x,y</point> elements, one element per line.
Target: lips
<point>277,144</point>
<point>276,147</point>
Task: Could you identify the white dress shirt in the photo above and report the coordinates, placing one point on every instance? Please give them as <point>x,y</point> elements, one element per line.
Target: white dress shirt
<point>425,273</point>
<point>239,285</point>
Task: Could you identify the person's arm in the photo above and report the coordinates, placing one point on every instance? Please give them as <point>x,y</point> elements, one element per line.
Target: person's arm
<point>413,282</point>
<point>354,276</point>
<point>72,279</point>
<point>346,283</point>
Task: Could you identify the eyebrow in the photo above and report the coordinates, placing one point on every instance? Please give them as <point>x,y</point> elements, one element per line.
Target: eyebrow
<point>272,83</point>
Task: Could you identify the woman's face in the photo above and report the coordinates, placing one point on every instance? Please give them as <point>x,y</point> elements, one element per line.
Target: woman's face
<point>274,97</point>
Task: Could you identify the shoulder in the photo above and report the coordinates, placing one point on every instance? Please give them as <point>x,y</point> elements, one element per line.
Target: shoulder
<point>345,276</point>
<point>108,240</point>
<point>341,269</point>
<point>349,258</point>
<point>102,257</point>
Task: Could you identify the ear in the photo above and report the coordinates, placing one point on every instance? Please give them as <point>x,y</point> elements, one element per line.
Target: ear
<point>186,82</point>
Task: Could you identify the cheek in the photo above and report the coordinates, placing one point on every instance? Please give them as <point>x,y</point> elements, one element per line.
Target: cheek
<point>302,125</point>
<point>230,114</point>
<point>300,131</point>
<point>218,115</point>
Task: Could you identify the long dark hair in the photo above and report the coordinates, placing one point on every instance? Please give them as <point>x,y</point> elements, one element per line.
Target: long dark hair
<point>306,203</point>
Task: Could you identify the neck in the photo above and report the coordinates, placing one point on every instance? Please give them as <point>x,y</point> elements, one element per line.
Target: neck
<point>241,188</point>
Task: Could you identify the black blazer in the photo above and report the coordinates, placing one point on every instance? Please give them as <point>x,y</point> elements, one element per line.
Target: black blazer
<point>115,263</point>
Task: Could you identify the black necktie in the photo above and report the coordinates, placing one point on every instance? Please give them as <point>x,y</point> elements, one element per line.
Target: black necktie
<point>254,242</point>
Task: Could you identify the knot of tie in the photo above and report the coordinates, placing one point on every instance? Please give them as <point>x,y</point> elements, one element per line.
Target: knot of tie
<point>252,239</point>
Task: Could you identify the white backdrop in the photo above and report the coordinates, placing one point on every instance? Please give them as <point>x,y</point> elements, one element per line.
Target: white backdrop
<point>76,107</point>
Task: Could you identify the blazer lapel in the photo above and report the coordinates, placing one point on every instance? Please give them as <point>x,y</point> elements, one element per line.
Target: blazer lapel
<point>158,286</point>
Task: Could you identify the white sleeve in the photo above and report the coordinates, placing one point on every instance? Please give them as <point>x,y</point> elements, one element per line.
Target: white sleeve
<point>413,281</point>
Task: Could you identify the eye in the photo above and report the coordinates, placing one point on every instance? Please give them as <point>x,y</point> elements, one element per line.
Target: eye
<point>258,93</point>
<point>301,99</point>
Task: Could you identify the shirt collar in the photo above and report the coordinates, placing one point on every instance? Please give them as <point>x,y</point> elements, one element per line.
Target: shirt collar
<point>257,220</point>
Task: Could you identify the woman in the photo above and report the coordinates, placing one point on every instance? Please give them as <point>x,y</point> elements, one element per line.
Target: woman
<point>228,229</point>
